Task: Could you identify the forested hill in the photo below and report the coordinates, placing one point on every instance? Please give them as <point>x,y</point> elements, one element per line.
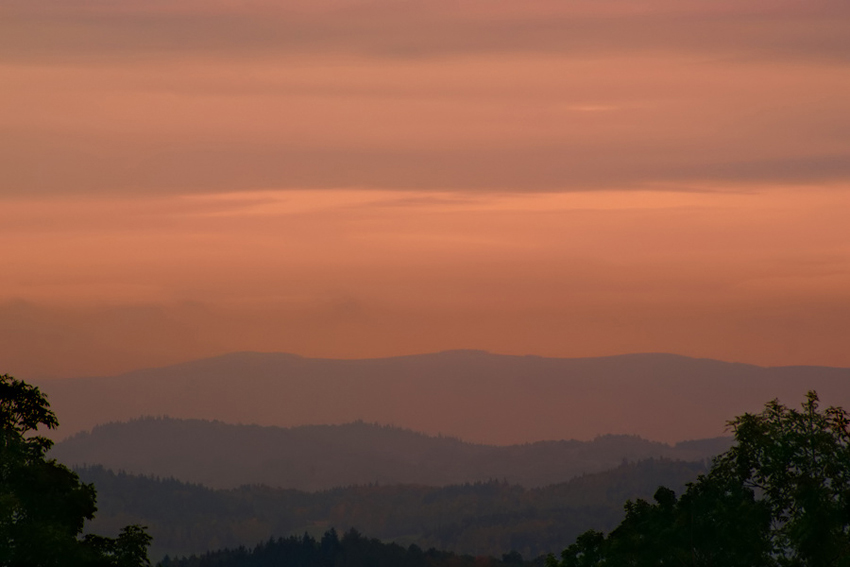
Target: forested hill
<point>319,457</point>
<point>488,518</point>
<point>473,395</point>
<point>350,550</point>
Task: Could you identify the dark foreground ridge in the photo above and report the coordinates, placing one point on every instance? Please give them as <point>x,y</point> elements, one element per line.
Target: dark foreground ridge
<point>352,550</point>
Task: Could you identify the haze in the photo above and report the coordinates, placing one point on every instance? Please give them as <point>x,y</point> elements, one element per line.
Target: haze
<point>366,179</point>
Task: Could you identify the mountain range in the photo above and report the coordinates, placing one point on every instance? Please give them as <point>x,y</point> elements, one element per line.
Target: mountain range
<point>473,395</point>
<point>489,518</point>
<point>320,457</point>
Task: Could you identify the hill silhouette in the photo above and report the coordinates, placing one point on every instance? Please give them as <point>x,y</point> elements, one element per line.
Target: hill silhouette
<point>319,457</point>
<point>474,395</point>
<point>487,518</point>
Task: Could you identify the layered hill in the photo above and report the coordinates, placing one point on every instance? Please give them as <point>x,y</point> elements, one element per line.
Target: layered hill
<point>320,457</point>
<point>481,518</point>
<point>472,395</point>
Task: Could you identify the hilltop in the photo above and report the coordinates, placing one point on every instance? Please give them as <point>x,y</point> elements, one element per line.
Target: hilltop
<point>473,395</point>
<point>319,457</point>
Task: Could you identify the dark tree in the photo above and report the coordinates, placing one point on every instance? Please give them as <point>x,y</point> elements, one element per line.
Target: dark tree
<point>798,462</point>
<point>43,504</point>
<point>779,497</point>
<point>351,550</point>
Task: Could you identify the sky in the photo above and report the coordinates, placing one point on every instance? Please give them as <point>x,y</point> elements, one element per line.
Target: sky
<point>353,179</point>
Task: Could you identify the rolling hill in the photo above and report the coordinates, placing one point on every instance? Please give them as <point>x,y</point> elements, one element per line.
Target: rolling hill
<point>319,457</point>
<point>473,395</point>
<point>488,518</point>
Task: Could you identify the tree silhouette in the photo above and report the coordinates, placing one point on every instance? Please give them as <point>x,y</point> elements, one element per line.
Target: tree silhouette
<point>779,497</point>
<point>799,464</point>
<point>43,504</point>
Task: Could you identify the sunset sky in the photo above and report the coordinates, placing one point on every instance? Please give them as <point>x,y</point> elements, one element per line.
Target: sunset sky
<point>350,179</point>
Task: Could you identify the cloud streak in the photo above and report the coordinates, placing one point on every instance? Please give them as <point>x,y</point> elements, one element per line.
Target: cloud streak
<point>372,178</point>
<point>97,286</point>
<point>543,96</point>
<point>94,31</point>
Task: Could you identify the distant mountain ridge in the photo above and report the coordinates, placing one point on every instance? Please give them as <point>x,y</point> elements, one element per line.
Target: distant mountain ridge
<point>320,457</point>
<point>482,518</point>
<point>473,395</point>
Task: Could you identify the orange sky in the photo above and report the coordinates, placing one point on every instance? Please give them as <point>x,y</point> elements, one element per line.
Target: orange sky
<point>356,179</point>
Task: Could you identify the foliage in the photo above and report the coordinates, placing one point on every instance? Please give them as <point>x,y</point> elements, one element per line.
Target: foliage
<point>351,550</point>
<point>43,504</point>
<point>779,497</point>
<point>799,464</point>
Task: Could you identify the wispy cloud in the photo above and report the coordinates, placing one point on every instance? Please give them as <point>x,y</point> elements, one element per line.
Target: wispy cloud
<point>97,285</point>
<point>379,177</point>
<point>189,97</point>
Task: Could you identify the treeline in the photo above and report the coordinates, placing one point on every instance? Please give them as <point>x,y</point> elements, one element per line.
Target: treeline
<point>487,518</point>
<point>352,550</point>
<point>778,498</point>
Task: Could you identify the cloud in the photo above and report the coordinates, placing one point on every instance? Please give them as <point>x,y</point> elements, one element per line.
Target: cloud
<point>93,285</point>
<point>153,97</point>
<point>379,177</point>
<point>792,169</point>
<point>73,30</point>
<point>40,169</point>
